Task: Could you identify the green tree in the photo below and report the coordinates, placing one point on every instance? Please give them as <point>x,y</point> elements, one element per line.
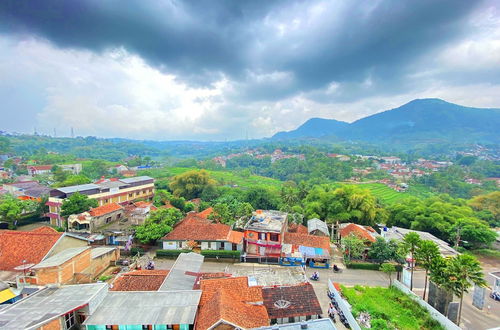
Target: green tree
<point>191,184</point>
<point>11,209</point>
<point>158,224</point>
<point>77,203</point>
<point>389,269</point>
<point>426,255</point>
<point>412,240</point>
<point>73,180</point>
<point>59,174</point>
<point>96,169</point>
<point>262,198</point>
<point>383,251</point>
<point>463,271</point>
<point>4,145</point>
<point>353,246</point>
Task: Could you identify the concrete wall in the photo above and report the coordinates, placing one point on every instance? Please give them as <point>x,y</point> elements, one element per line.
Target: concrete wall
<point>97,222</point>
<point>64,273</point>
<point>445,322</point>
<point>99,264</point>
<point>66,242</point>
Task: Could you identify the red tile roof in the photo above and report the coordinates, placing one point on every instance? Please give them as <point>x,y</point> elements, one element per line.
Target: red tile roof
<point>301,298</point>
<point>233,301</point>
<point>322,242</point>
<point>105,209</point>
<point>235,237</point>
<point>140,280</point>
<point>198,229</point>
<point>32,246</point>
<point>41,167</point>
<point>357,230</point>
<point>205,213</point>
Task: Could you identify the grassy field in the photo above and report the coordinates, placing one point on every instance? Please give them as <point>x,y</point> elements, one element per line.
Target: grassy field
<point>388,195</point>
<point>389,308</point>
<point>231,178</point>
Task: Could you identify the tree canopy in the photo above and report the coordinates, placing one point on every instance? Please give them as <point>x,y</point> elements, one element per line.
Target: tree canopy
<point>77,203</point>
<point>158,224</point>
<point>191,184</point>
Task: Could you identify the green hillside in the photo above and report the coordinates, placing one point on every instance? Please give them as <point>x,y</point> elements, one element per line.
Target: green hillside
<point>230,178</point>
<point>389,196</point>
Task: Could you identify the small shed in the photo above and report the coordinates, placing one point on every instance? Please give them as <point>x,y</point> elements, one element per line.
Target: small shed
<point>317,227</point>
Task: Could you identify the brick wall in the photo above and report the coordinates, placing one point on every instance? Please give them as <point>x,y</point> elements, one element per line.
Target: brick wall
<point>53,325</point>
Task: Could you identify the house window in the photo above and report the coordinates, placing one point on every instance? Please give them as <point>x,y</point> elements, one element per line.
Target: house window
<point>106,201</point>
<point>274,237</point>
<point>137,193</point>
<point>108,219</point>
<point>130,195</point>
<point>262,236</point>
<point>118,216</point>
<point>221,246</point>
<point>209,244</point>
<point>235,247</point>
<point>110,327</point>
<point>69,320</point>
<point>145,327</point>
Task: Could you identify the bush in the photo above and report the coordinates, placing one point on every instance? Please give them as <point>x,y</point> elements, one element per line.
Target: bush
<point>221,254</point>
<point>104,278</point>
<point>369,266</point>
<point>170,253</point>
<point>135,250</point>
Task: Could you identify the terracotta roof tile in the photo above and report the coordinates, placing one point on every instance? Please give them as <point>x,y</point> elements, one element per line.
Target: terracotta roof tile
<point>357,230</point>
<point>205,213</point>
<point>140,280</point>
<point>322,242</point>
<point>235,237</point>
<point>302,299</point>
<point>105,209</point>
<point>231,300</point>
<point>198,229</point>
<point>32,246</point>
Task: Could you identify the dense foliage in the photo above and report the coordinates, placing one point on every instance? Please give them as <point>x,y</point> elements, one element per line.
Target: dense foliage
<point>77,203</point>
<point>158,224</point>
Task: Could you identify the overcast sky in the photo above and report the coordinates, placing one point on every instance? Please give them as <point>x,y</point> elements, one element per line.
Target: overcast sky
<point>215,70</point>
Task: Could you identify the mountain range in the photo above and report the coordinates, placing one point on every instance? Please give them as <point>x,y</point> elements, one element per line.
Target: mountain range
<point>419,121</point>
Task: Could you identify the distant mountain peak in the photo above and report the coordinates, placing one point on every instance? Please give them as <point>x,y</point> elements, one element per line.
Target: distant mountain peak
<point>418,121</point>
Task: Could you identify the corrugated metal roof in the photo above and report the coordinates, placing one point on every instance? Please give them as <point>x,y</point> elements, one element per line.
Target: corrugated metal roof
<point>136,179</point>
<point>48,304</point>
<point>99,251</point>
<point>317,224</point>
<point>81,187</point>
<point>61,257</point>
<point>177,279</point>
<point>148,307</point>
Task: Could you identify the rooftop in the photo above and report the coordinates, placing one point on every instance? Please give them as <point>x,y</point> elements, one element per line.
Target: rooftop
<point>399,233</point>
<point>291,301</point>
<point>29,246</point>
<point>100,251</point>
<point>319,324</point>
<point>322,242</point>
<point>267,221</point>
<point>198,229</point>
<point>364,232</point>
<point>80,187</point>
<point>61,257</point>
<point>184,272</point>
<point>48,304</point>
<point>158,307</point>
<point>140,280</point>
<point>233,301</point>
<point>317,224</point>
<point>105,209</point>
<point>136,179</point>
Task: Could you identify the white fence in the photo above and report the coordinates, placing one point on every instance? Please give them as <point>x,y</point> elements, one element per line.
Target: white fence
<point>443,320</point>
<point>343,307</point>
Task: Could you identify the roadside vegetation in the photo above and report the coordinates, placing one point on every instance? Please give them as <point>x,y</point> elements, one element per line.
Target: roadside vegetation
<point>389,308</point>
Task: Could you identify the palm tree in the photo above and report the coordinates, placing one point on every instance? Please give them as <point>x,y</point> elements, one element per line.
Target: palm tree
<point>426,254</point>
<point>463,271</point>
<point>411,240</point>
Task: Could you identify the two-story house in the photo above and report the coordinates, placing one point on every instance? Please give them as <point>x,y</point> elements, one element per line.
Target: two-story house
<point>264,233</point>
<point>105,191</point>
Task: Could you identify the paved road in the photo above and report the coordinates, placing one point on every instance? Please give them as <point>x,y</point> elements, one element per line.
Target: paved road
<point>472,318</point>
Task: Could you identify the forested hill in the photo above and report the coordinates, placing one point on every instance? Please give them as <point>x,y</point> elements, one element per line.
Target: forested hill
<point>419,121</point>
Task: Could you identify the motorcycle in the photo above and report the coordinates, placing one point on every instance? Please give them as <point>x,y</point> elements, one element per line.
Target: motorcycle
<point>315,277</point>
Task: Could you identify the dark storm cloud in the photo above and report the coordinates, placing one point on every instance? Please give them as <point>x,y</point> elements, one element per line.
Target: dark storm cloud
<point>199,40</point>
